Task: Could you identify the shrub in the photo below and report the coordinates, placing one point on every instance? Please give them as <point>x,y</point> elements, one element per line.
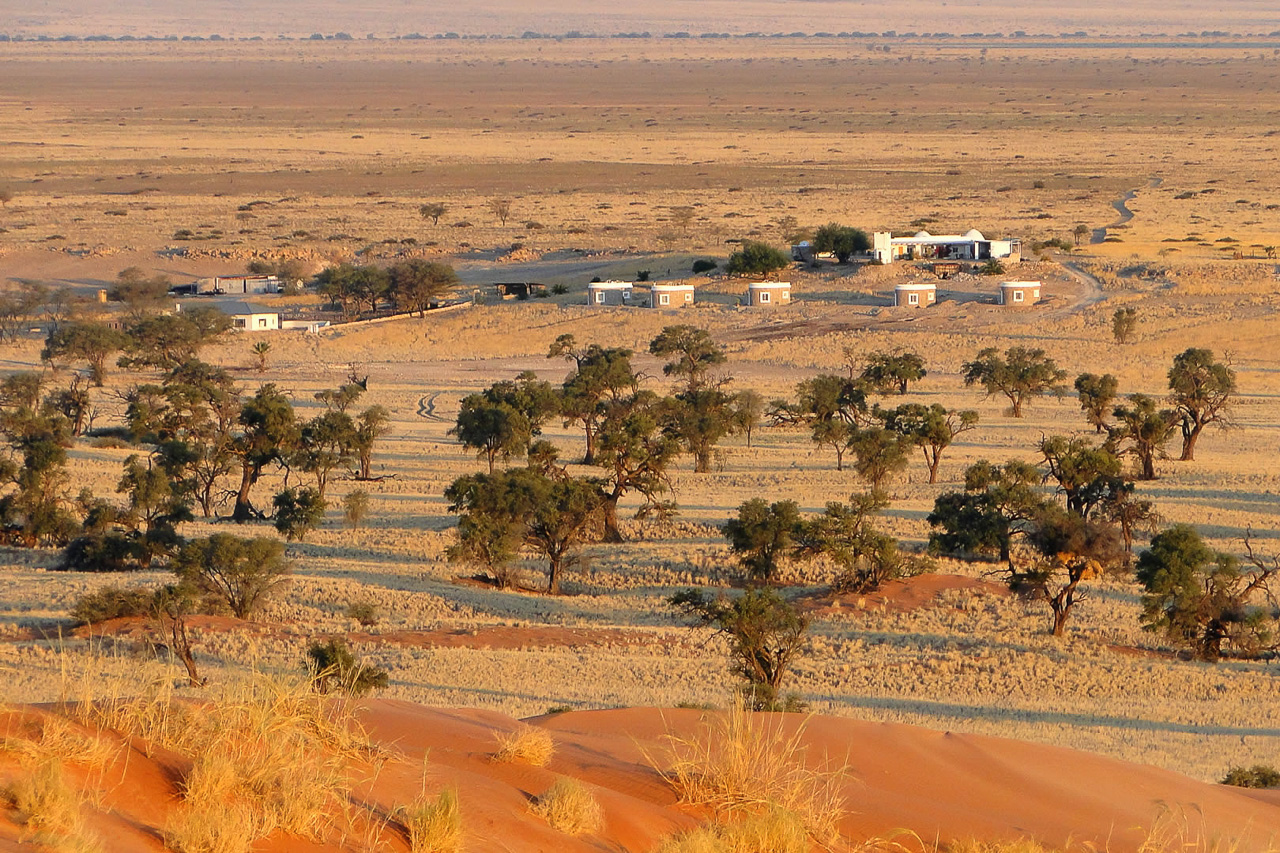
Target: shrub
<point>333,667</point>
<point>702,265</point>
<point>559,289</point>
<point>364,612</point>
<point>45,802</point>
<point>526,745</point>
<point>755,258</point>
<point>991,267</point>
<point>1257,776</point>
<point>435,826</point>
<point>569,806</point>
<point>111,602</point>
<point>298,512</point>
<point>355,505</point>
<point>242,573</point>
<point>775,830</point>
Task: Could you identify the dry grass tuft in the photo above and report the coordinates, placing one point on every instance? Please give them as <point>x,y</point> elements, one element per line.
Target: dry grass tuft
<point>995,845</point>
<point>526,745</point>
<point>570,807</point>
<point>46,804</point>
<point>775,830</point>
<point>434,825</point>
<point>742,763</point>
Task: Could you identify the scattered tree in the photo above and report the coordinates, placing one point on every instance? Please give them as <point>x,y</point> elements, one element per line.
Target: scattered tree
<point>841,241</point>
<point>930,428</point>
<point>334,669</point>
<point>601,376</point>
<point>269,432</point>
<point>763,535</point>
<point>1200,390</point>
<point>1071,549</point>
<point>1019,374</point>
<point>692,351</point>
<point>878,453</point>
<point>1080,232</point>
<point>19,307</point>
<point>86,341</point>
<point>890,373</point>
<point>432,210</point>
<point>755,258</point>
<point>997,503</point>
<point>1141,431</point>
<point>765,634</point>
<point>417,285</point>
<point>241,573</point>
<point>355,506</point>
<point>501,208</point>
<point>298,512</point>
<point>1123,324</point>
<point>1097,395</point>
<point>261,349</point>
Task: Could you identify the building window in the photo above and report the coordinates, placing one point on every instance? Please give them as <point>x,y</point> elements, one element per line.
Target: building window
<point>688,297</point>
<point>239,322</point>
<point>1035,293</point>
<point>262,322</point>
<point>599,297</point>
<point>913,299</point>
<point>764,296</point>
<point>1017,296</point>
<point>626,296</point>
<point>664,299</point>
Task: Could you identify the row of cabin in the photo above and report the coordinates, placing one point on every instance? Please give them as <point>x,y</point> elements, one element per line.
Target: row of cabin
<point>613,293</point>
<point>922,295</point>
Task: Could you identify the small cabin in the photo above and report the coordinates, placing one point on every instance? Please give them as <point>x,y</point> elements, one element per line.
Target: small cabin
<point>670,295</point>
<point>249,316</point>
<point>1015,293</point>
<point>242,284</point>
<point>767,293</point>
<point>915,295</point>
<point>603,293</point>
<point>518,289</point>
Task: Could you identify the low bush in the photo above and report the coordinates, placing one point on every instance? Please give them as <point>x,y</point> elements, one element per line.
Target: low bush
<point>1257,776</point>
<point>334,668</point>
<point>434,825</point>
<point>525,745</point>
<point>112,602</point>
<point>569,806</point>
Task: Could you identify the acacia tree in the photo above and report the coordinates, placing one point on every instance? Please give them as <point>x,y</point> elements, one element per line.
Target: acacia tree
<point>878,453</point>
<point>833,407</point>
<point>269,431</point>
<point>755,258</point>
<point>890,373</point>
<point>1141,431</point>
<point>930,428</point>
<point>601,375</point>
<point>865,558</point>
<point>432,210</point>
<point>1097,396</point>
<point>324,443</point>
<point>371,424</point>
<point>167,341</point>
<point>841,240</point>
<point>418,284</point>
<point>635,454</point>
<point>1071,548</point>
<point>553,515</point>
<point>1202,599</point>
<point>501,208</point>
<point>1085,474</point>
<point>1123,324</point>
<point>19,306</point>
<point>763,535</point>
<point>997,503</point>
<point>765,634</point>
<point>1019,374</point>
<point>1200,390</point>
<point>85,341</point>
<point>240,573</point>
<point>692,352</point>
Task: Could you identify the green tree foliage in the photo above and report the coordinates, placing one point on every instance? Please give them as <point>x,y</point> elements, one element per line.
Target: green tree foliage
<point>334,669</point>
<point>891,373</point>
<point>634,452</point>
<point>748,410</point>
<point>1202,599</point>
<point>239,573</point>
<point>1141,431</point>
<point>601,376</point>
<point>432,210</point>
<point>1200,390</point>
<point>692,355</point>
<point>298,512</point>
<point>1070,549</point>
<point>997,503</point>
<point>1257,776</point>
<point>417,284</point>
<point>1019,374</point>
<point>1124,323</point>
<point>1085,474</point>
<point>554,515</point>
<point>325,442</point>
<point>930,428</point>
<point>833,407</point>
<point>763,535</point>
<point>140,293</point>
<point>167,341</point>
<point>268,434</point>
<point>764,630</point>
<point>494,430</point>
<point>355,506</point>
<point>352,287</point>
<point>261,350</point>
<point>864,557</point>
<point>342,398</point>
<point>842,241</point>
<point>698,420</point>
<point>1097,396</point>
<point>34,510</point>
<point>371,424</point>
<point>755,258</point>
<point>878,454</point>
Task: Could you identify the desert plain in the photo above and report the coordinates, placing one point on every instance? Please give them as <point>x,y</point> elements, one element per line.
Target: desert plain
<point>325,150</point>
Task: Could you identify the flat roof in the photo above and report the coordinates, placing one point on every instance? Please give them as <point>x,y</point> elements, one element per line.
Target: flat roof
<point>1019,284</point>
<point>769,284</point>
<point>611,285</point>
<point>917,285</point>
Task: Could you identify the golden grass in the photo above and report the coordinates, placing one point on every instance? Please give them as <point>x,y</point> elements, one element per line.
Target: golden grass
<point>525,745</point>
<point>48,806</point>
<point>746,763</point>
<point>434,824</point>
<point>775,830</point>
<point>569,806</point>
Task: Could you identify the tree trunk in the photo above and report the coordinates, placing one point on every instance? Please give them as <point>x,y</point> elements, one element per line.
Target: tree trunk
<point>590,457</point>
<point>1189,443</point>
<point>610,507</point>
<point>1017,405</point>
<point>839,458</point>
<point>1148,466</point>
<point>702,460</point>
<point>1060,620</point>
<point>553,575</point>
<point>244,509</point>
<point>933,461</point>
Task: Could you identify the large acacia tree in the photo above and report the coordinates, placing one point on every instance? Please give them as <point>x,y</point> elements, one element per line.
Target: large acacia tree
<point>1200,390</point>
<point>1019,374</point>
<point>601,376</point>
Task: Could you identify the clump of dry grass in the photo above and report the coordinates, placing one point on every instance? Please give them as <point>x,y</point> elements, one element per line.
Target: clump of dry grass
<point>434,825</point>
<point>45,803</point>
<point>743,764</point>
<point>569,806</point>
<point>775,830</point>
<point>525,745</point>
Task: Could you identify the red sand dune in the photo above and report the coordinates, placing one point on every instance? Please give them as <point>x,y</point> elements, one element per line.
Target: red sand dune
<point>938,785</point>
